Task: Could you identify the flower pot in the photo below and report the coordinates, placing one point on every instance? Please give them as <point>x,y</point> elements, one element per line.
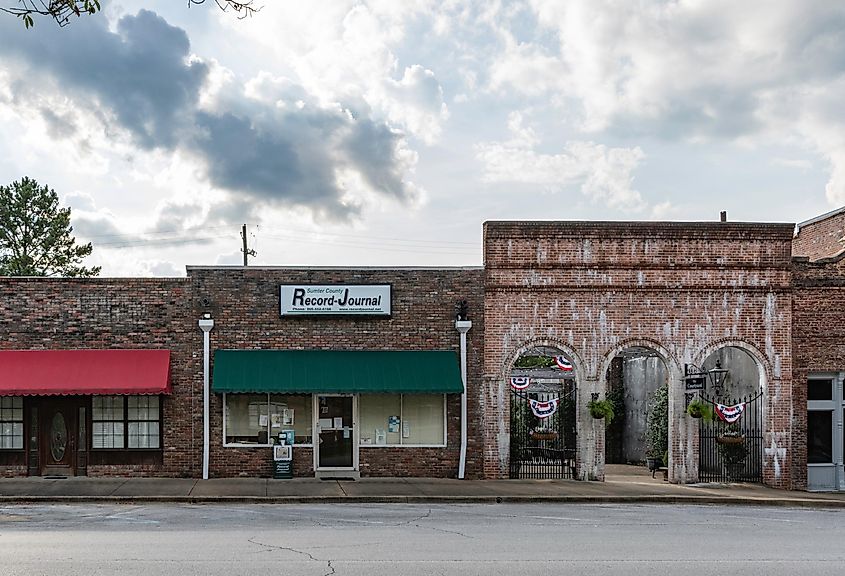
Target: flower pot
<point>730,439</point>
<point>695,413</point>
<point>597,414</point>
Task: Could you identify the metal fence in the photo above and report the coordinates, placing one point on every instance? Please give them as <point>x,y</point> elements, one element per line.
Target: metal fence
<point>543,447</point>
<point>732,452</point>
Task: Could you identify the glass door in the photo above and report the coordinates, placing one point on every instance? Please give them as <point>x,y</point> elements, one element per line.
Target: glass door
<point>825,437</point>
<point>336,432</point>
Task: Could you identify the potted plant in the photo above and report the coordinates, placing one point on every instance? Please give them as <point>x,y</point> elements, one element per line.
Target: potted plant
<point>654,462</point>
<point>730,436</point>
<point>732,451</point>
<point>601,409</point>
<point>698,408</point>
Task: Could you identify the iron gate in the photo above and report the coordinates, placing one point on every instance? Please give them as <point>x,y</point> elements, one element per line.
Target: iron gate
<point>732,452</point>
<point>543,447</point>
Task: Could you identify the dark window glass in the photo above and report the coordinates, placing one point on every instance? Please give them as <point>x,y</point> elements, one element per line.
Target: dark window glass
<point>820,437</point>
<point>820,390</point>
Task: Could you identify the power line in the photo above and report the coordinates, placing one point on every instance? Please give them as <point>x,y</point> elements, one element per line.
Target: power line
<point>180,231</point>
<point>368,237</point>
<point>443,250</point>
<point>159,241</point>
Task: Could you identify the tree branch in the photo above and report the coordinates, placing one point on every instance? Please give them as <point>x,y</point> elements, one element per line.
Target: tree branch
<point>62,10</point>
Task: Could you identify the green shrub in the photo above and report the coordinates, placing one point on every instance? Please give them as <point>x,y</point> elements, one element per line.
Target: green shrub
<point>601,409</point>
<point>698,408</point>
<point>657,424</point>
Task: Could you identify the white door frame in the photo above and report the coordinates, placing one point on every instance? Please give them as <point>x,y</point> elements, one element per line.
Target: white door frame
<point>316,433</point>
<point>824,477</point>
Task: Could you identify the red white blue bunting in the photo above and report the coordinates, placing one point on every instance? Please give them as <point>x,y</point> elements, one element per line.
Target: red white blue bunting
<point>520,382</point>
<point>730,414</point>
<point>544,409</point>
<point>563,363</point>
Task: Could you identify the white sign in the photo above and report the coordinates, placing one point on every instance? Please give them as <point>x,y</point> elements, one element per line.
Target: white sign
<point>371,299</point>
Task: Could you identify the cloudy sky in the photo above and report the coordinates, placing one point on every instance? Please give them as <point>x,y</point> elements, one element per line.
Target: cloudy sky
<point>385,132</point>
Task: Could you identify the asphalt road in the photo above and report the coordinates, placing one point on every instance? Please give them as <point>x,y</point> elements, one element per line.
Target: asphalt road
<point>403,539</point>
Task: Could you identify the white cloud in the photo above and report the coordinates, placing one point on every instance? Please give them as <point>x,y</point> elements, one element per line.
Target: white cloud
<point>702,71</point>
<point>346,52</point>
<point>603,174</point>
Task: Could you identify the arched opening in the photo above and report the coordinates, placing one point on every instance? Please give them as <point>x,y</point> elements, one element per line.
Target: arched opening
<point>638,387</point>
<point>543,440</point>
<point>732,424</point>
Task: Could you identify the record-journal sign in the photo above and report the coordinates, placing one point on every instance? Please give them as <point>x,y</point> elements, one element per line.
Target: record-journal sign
<point>335,299</point>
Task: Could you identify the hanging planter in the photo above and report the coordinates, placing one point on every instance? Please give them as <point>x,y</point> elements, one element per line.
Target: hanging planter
<point>601,409</point>
<point>700,409</point>
<point>730,439</point>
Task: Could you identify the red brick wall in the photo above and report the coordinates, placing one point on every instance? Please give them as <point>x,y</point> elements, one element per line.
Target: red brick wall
<point>102,313</point>
<point>245,306</point>
<point>818,339</point>
<point>592,286</point>
<point>820,239</point>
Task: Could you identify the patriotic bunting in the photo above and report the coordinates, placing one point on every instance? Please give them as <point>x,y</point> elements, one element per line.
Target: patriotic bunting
<point>544,409</point>
<point>563,363</point>
<point>730,414</point>
<point>520,382</point>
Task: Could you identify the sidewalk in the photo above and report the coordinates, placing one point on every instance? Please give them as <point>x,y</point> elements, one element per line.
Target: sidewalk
<point>623,485</point>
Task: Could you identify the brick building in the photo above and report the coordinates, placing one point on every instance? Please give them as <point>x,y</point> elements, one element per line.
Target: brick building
<point>65,343</point>
<point>819,352</point>
<point>377,390</point>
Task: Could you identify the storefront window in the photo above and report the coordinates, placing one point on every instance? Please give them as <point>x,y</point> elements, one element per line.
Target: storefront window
<point>107,421</point>
<point>255,418</point>
<point>380,416</point>
<point>291,412</point>
<point>410,419</point>
<point>113,416</point>
<point>11,423</point>
<point>422,419</point>
<point>143,417</point>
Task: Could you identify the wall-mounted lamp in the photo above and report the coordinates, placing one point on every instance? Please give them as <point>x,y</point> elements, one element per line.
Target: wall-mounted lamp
<point>696,378</point>
<point>463,311</point>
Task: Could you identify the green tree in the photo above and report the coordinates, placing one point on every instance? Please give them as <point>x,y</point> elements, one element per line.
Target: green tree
<point>35,234</point>
<point>62,10</point>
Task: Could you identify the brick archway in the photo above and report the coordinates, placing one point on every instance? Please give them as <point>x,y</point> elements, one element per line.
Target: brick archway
<point>592,288</point>
<point>777,453</point>
<point>679,460</point>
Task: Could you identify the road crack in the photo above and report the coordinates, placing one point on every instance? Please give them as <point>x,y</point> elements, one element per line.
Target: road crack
<point>270,547</point>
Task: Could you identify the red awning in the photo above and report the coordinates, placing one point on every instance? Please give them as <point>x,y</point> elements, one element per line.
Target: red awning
<point>50,372</point>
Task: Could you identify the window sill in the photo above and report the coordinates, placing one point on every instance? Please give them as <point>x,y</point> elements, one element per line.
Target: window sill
<point>264,445</point>
<point>402,445</point>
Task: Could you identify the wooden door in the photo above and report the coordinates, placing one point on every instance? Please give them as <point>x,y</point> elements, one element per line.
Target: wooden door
<point>57,436</point>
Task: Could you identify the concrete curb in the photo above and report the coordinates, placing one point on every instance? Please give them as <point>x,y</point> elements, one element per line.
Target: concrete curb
<point>689,500</point>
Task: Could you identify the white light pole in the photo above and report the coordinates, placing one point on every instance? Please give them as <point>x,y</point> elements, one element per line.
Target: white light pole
<point>205,324</point>
<point>463,327</point>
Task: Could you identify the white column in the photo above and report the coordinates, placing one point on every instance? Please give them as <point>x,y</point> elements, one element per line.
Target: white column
<point>463,326</point>
<point>205,324</point>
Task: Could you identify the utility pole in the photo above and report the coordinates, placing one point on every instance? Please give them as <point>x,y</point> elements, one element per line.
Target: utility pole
<point>246,250</point>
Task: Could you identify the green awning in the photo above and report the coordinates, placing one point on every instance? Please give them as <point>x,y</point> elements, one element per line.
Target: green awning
<point>336,371</point>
